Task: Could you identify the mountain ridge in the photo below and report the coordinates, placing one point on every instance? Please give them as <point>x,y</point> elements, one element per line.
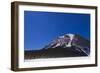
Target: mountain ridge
<point>68,45</point>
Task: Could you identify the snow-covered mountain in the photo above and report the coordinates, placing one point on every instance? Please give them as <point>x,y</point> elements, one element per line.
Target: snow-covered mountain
<point>68,45</point>
<point>70,40</point>
<point>64,41</point>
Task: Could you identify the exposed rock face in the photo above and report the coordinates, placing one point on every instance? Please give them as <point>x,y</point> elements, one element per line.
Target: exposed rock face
<point>68,45</point>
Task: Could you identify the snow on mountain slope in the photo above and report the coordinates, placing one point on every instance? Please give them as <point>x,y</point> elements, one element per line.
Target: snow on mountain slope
<point>69,40</point>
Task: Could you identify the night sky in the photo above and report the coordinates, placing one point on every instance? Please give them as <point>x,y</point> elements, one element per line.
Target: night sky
<point>40,28</point>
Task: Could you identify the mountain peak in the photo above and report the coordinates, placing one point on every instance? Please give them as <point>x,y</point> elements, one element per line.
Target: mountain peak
<point>68,45</point>
<point>70,40</point>
<point>66,35</point>
<point>64,40</point>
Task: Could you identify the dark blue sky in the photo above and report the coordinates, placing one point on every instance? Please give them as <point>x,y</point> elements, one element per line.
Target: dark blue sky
<point>40,28</point>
